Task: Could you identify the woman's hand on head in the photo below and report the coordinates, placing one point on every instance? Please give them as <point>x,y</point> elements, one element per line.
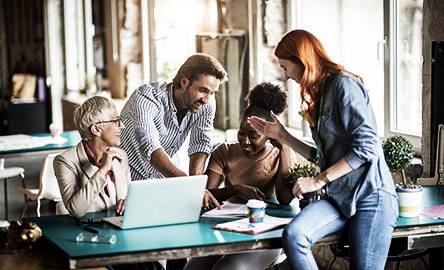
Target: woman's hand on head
<point>248,192</point>
<point>269,129</point>
<point>306,184</point>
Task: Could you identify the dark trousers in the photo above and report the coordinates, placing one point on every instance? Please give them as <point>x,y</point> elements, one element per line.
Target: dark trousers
<point>137,266</point>
<point>178,264</point>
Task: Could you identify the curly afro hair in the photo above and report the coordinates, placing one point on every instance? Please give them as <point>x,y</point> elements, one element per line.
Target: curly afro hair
<point>263,98</point>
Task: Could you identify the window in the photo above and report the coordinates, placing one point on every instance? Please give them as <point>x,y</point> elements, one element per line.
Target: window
<point>78,44</point>
<point>406,68</point>
<point>379,40</point>
<point>3,76</point>
<point>172,27</point>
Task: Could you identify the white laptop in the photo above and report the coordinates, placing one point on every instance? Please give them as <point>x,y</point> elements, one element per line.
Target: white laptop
<point>166,201</point>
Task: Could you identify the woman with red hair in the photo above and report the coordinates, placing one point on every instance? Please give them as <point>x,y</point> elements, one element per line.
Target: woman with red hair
<point>359,191</point>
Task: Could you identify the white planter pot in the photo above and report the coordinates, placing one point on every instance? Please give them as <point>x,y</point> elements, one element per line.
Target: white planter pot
<point>409,201</point>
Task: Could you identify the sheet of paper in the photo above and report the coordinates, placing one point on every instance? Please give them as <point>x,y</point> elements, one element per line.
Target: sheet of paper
<point>22,141</point>
<point>436,211</point>
<point>243,225</point>
<point>229,210</point>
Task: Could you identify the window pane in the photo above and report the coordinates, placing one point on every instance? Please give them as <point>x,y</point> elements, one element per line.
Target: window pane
<point>1,70</point>
<point>409,67</point>
<point>352,33</point>
<point>73,72</point>
<point>176,29</point>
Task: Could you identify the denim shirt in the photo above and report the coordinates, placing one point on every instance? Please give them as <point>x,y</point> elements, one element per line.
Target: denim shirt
<point>348,129</point>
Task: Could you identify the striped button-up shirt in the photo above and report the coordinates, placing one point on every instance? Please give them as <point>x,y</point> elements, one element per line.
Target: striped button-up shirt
<point>151,123</point>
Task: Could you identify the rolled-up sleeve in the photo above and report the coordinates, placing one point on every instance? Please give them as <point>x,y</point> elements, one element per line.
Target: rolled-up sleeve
<point>218,159</point>
<point>358,120</point>
<point>200,135</point>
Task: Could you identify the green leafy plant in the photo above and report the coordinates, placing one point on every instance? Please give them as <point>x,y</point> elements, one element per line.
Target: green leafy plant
<point>90,80</point>
<point>306,169</point>
<point>398,153</point>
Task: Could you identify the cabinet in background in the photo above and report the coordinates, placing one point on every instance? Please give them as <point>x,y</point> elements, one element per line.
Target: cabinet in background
<point>27,118</point>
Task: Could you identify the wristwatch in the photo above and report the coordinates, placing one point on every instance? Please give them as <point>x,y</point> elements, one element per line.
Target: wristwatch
<point>324,177</point>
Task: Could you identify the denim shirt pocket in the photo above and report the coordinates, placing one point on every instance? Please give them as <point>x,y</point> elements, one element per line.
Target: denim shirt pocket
<point>327,125</point>
<point>334,143</point>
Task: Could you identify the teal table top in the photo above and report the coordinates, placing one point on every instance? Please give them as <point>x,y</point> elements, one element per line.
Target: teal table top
<point>62,231</point>
<point>72,136</point>
<point>432,195</point>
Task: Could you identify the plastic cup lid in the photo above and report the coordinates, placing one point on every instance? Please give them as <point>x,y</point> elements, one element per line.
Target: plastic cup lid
<point>255,203</point>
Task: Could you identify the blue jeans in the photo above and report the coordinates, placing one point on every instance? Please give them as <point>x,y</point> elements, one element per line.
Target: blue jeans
<point>369,231</point>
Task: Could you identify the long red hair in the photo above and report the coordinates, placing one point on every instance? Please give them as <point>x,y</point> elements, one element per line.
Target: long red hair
<point>303,48</point>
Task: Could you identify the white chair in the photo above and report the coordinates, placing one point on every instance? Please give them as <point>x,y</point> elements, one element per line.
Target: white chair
<point>7,173</point>
<point>279,260</point>
<point>48,188</point>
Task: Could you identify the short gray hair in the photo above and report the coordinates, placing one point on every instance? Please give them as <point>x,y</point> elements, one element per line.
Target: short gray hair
<point>93,110</point>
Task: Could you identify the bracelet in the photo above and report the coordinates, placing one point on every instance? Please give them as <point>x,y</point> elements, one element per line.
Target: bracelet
<point>324,177</point>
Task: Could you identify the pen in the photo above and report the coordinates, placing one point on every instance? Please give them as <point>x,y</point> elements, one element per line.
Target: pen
<point>89,229</point>
<point>10,251</point>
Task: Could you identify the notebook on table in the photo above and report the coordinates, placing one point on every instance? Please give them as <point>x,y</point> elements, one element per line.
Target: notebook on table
<point>156,202</point>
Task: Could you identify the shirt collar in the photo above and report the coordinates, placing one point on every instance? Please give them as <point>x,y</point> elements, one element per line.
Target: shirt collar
<point>90,154</point>
<point>172,106</point>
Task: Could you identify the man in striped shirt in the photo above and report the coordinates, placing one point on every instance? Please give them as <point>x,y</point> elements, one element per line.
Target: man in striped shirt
<point>159,116</point>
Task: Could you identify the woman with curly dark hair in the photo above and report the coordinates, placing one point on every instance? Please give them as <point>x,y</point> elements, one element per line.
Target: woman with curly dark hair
<point>249,169</point>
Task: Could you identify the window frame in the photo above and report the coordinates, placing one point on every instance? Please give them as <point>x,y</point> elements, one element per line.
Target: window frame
<point>3,60</point>
<point>79,51</point>
<point>390,60</point>
<point>293,21</point>
<point>390,75</point>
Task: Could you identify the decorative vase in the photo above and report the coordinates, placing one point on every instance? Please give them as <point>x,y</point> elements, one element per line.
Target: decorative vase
<point>409,201</point>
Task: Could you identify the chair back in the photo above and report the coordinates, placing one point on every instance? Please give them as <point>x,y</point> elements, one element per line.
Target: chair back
<point>49,186</point>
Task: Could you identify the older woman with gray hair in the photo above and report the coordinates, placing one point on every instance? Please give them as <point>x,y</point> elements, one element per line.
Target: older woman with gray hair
<point>94,175</point>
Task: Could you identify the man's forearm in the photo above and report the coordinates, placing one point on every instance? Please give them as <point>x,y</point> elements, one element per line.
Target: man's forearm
<point>161,161</point>
<point>197,163</point>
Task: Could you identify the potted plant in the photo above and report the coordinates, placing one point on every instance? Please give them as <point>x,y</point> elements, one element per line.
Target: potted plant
<point>398,152</point>
<point>305,169</point>
<point>90,88</point>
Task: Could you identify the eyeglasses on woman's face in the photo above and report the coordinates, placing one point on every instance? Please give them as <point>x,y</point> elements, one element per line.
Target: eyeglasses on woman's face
<point>117,121</point>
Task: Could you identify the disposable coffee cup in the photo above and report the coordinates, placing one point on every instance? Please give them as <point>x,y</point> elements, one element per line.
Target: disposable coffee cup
<point>4,226</point>
<point>256,211</point>
<point>55,130</point>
